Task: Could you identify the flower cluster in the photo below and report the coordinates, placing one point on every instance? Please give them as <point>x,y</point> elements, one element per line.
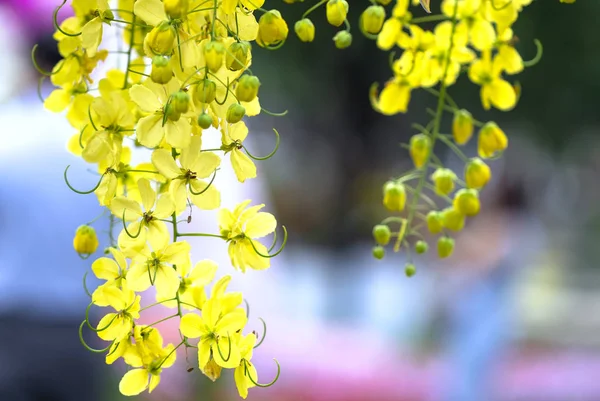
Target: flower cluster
<point>186,76</point>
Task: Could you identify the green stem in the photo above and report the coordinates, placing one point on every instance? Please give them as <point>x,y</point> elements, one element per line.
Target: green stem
<point>429,18</point>
<point>129,52</point>
<point>313,8</point>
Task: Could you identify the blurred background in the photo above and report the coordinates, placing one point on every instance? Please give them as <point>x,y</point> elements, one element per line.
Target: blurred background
<point>513,315</point>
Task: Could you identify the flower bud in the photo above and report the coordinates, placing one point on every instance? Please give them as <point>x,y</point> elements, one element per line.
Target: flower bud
<point>171,113</point>
<point>410,270</point>
<point>213,55</point>
<point>445,247</point>
<point>378,252</point>
<point>466,201</point>
<point>161,72</point>
<point>491,140</point>
<point>336,11</point>
<point>372,19</point>
<point>237,56</point>
<point>85,241</point>
<point>394,196</point>
<point>443,180</point>
<point>247,88</point>
<point>462,126</point>
<point>206,91</point>
<point>205,120</point>
<point>305,29</point>
<point>235,113</point>
<point>342,39</point>
<point>161,39</point>
<point>477,173</point>
<point>453,219</point>
<point>382,234</point>
<point>420,146</point>
<point>421,247</point>
<point>435,224</point>
<point>272,29</point>
<point>181,102</point>
<point>176,8</point>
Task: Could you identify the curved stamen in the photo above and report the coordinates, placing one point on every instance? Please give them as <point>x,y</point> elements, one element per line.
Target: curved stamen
<point>77,191</point>
<point>263,385</point>
<point>285,236</point>
<point>278,139</point>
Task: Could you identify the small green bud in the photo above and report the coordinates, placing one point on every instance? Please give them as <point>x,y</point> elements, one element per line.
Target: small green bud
<point>394,196</point>
<point>378,252</point>
<point>247,88</point>
<point>435,223</point>
<point>445,247</point>
<point>453,219</point>
<point>235,113</point>
<point>205,121</point>
<point>410,270</point>
<point>382,234</point>
<point>443,180</point>
<point>421,247</point>
<point>342,39</point>
<point>171,113</point>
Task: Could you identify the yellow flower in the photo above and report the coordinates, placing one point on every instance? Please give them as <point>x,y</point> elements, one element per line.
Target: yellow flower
<point>148,376</point>
<point>91,33</point>
<point>150,130</point>
<point>394,97</point>
<point>85,241</point>
<point>232,137</point>
<point>272,29</point>
<point>191,288</point>
<point>195,165</point>
<point>114,271</point>
<point>495,91</point>
<point>147,224</point>
<point>477,173</point>
<point>215,330</point>
<point>470,13</point>
<point>336,11</point>
<point>246,369</point>
<point>118,325</point>
<point>156,267</point>
<point>491,140</point>
<point>241,227</point>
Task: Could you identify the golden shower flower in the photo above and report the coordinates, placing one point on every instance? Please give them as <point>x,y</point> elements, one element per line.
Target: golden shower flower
<point>85,241</point>
<point>272,29</point>
<point>477,173</point>
<point>495,91</point>
<point>466,201</point>
<point>305,29</point>
<point>336,11</point>
<point>491,140</point>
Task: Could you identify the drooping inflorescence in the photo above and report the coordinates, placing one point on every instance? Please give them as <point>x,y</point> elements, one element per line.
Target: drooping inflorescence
<point>184,73</point>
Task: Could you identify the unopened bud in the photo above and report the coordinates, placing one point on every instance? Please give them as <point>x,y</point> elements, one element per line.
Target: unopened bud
<point>462,126</point>
<point>372,19</point>
<point>181,102</point>
<point>161,72</point>
<point>445,247</point>
<point>272,29</point>
<point>435,224</point>
<point>235,113</point>
<point>420,146</point>
<point>491,140</point>
<point>394,196</point>
<point>477,173</point>
<point>176,8</point>
<point>336,12</point>
<point>213,55</point>
<point>382,234</point>
<point>421,247</point>
<point>161,39</point>
<point>247,88</point>
<point>205,92</point>
<point>466,201</point>
<point>85,241</point>
<point>410,270</point>
<point>378,252</point>
<point>205,121</point>
<point>305,30</point>
<point>171,113</point>
<point>237,56</point>
<point>453,219</point>
<point>342,39</point>
<point>443,180</point>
